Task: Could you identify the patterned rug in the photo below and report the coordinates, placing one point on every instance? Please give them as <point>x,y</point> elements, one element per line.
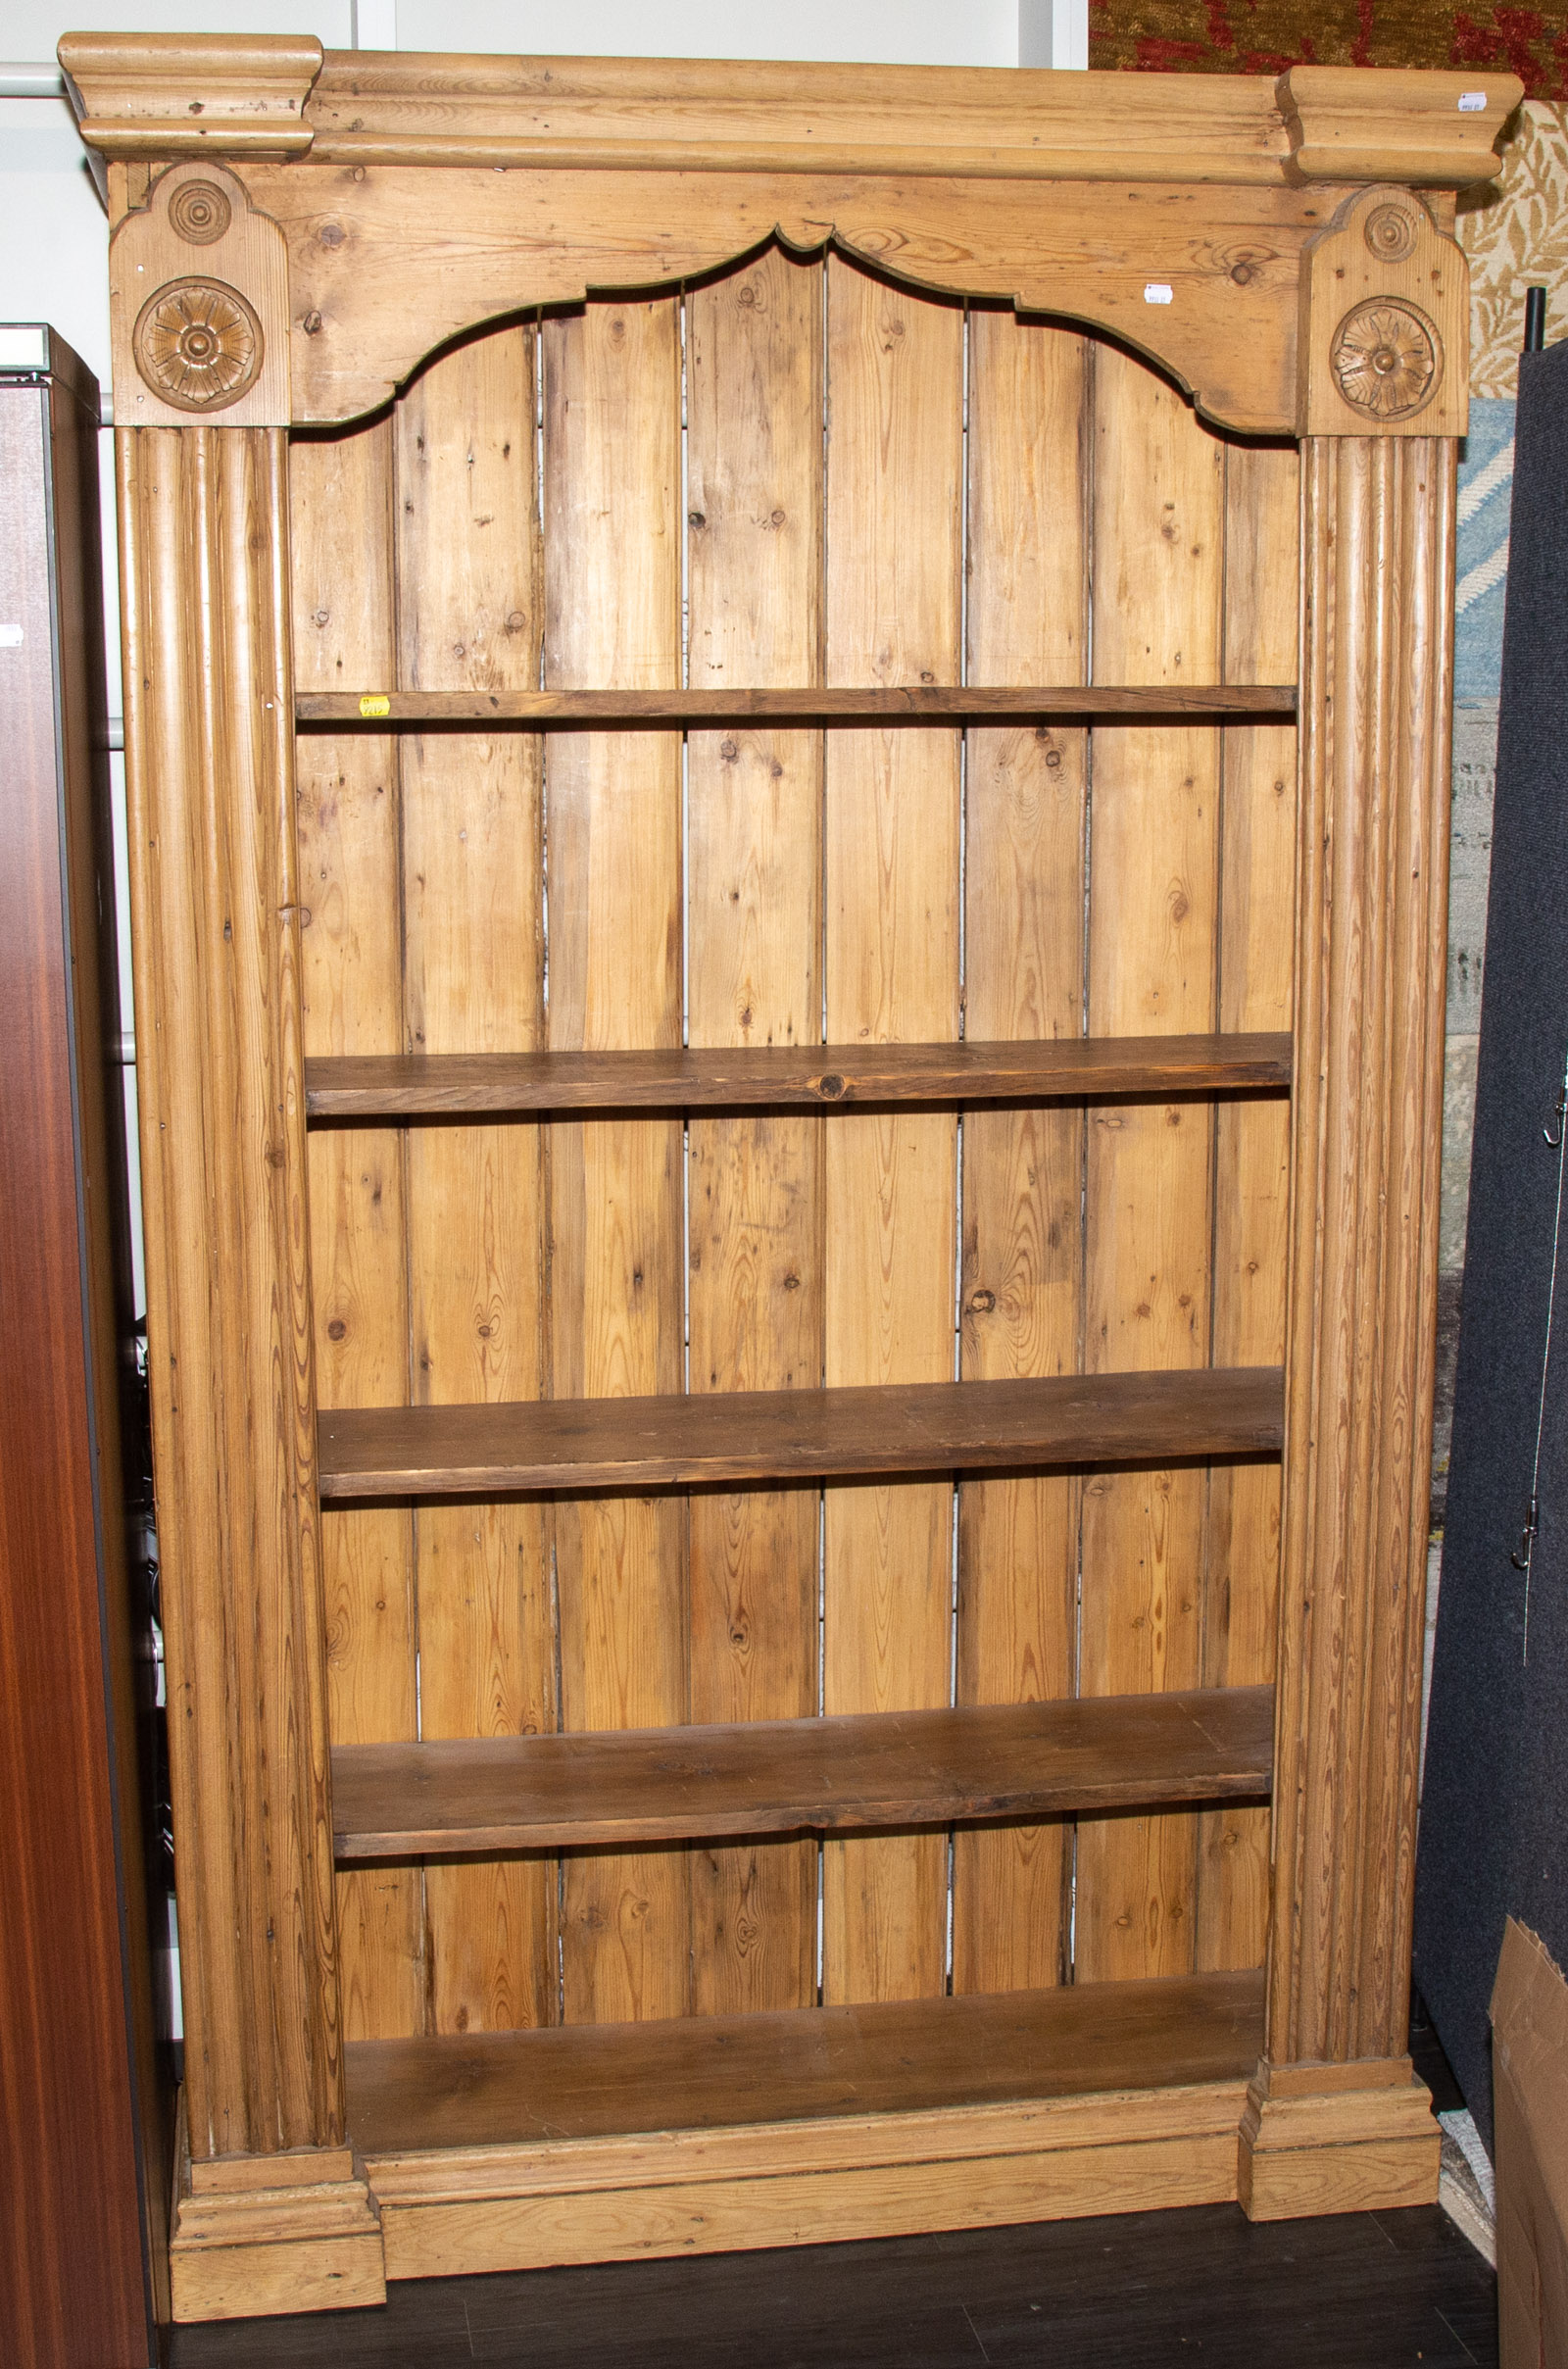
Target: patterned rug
<point>1264,36</point>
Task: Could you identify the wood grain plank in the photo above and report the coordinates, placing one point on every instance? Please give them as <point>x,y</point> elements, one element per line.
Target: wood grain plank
<point>774,1776</point>
<point>894,505</point>
<point>1154,894</point>
<point>809,1075</point>
<point>468,613</point>
<point>942,2179</point>
<point>1061,1422</point>
<point>708,702</point>
<point>939,2138</point>
<point>721,115</point>
<point>613,542</point>
<point>1371,956</point>
<point>352,1003</point>
<point>754,933</point>
<point>581,2083</point>
<point>1022,1276</point>
<point>1251,1167</point>
<point>540,235</point>
<point>216,920</point>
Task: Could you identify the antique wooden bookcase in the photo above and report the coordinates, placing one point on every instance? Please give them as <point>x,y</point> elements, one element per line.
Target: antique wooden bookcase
<point>788,735</point>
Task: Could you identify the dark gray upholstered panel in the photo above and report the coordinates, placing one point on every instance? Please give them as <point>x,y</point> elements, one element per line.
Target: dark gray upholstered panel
<point>1494,1809</point>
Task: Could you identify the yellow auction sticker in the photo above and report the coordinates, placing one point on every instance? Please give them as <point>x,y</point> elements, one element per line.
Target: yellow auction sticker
<point>376,703</point>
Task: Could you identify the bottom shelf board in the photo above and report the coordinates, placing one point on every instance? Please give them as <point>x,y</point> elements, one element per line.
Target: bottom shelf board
<point>710,2073</point>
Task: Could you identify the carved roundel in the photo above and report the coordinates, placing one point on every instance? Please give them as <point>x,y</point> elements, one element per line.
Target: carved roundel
<point>1386,358</point>
<point>1389,232</point>
<point>197,344</point>
<point>200,212</point>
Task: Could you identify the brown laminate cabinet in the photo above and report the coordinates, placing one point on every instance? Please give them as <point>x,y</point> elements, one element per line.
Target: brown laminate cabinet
<point>85,2114</point>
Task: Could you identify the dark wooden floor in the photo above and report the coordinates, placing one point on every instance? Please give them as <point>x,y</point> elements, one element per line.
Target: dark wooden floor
<point>1134,2293</point>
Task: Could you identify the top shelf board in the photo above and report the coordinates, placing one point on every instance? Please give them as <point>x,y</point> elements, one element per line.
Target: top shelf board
<point>906,704</point>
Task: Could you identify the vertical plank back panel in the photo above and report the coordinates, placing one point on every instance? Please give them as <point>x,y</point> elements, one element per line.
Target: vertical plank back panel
<point>1252,1141</point>
<point>894,509</point>
<point>1159,539</point>
<point>470,1261</point>
<point>1022,1276</point>
<point>612,569</point>
<point>352,992</point>
<point>754,922</point>
<point>469,618</point>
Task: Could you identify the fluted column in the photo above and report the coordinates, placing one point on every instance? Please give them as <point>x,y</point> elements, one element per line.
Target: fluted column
<point>209,769</point>
<point>1333,2101</point>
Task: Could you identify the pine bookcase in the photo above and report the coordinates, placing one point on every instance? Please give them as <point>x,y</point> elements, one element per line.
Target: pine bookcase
<point>788,740</point>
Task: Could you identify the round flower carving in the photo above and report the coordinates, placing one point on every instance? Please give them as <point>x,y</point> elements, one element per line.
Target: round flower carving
<point>200,212</point>
<point>1386,359</point>
<point>197,344</point>
<point>1389,232</point>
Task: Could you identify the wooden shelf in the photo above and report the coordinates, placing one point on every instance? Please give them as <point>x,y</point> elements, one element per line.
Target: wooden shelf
<point>789,1776</point>
<point>1064,1421</point>
<point>912,704</point>
<point>711,2072</point>
<point>831,1076</point>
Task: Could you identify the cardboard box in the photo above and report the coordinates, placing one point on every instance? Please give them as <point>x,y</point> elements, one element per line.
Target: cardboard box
<point>1530,2089</point>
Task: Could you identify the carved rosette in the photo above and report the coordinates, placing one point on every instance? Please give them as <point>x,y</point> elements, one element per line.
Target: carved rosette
<point>197,344</point>
<point>199,212</point>
<point>1390,231</point>
<point>198,305</point>
<point>1384,322</point>
<point>1385,355</point>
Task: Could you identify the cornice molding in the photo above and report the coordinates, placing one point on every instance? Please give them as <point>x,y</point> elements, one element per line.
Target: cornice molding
<point>163,96</point>
<point>176,95</point>
<point>1350,123</point>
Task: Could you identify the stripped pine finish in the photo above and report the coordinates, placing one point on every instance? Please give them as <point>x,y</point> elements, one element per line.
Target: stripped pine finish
<point>826,1076</point>
<point>1157,557</point>
<point>1251,1165</point>
<point>216,928</point>
<point>1366,1154</point>
<point>549,2090</point>
<point>1056,1420</point>
<point>777,1270</point>
<point>893,507</point>
<point>468,614</point>
<point>775,1776</point>
<point>613,614</point>
<point>351,1000</point>
<point>794,783</point>
<point>792,1217</point>
<point>754,345</point>
<point>1022,1251</point>
<point>711,704</point>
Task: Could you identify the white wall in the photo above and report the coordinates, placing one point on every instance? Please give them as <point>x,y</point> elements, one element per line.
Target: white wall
<point>906,32</point>
<point>52,235</point>
<point>54,238</point>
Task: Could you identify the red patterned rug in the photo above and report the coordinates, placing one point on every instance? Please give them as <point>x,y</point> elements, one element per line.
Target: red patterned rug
<point>1264,36</point>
